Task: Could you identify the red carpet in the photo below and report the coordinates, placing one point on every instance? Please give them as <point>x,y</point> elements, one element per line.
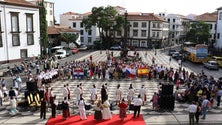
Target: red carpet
<point>75,120</point>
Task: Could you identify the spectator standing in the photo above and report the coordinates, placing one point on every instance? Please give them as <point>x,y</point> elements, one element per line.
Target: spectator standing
<point>103,94</point>
<point>43,109</point>
<point>197,114</point>
<point>122,109</point>
<point>219,93</point>
<point>65,92</point>
<point>1,96</point>
<point>155,101</point>
<point>204,107</point>
<point>11,93</point>
<point>192,110</point>
<point>82,110</point>
<point>137,106</point>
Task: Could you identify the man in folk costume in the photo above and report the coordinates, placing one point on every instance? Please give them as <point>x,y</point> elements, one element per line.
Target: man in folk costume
<point>93,93</point>
<point>118,94</point>
<point>77,92</point>
<point>65,92</point>
<point>68,89</point>
<point>142,93</point>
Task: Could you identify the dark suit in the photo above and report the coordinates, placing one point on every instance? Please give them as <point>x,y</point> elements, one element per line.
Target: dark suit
<point>43,109</point>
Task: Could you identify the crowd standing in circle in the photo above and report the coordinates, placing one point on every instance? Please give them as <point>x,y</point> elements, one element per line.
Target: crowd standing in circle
<point>198,88</point>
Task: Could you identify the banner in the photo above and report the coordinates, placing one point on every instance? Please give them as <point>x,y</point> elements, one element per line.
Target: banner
<point>142,71</point>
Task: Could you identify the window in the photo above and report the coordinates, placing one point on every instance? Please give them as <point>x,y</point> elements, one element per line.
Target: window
<point>143,24</point>
<point>30,39</point>
<point>153,34</point>
<point>173,26</point>
<point>220,16</point>
<point>50,12</point>
<point>82,39</point>
<point>158,25</point>
<point>168,20</point>
<point>211,26</point>
<point>81,25</point>
<point>218,36</point>
<point>14,22</point>
<point>29,23</point>
<point>23,53</point>
<point>135,24</point>
<point>174,20</point>
<point>51,5</point>
<point>119,33</point>
<point>135,43</point>
<point>74,24</point>
<point>1,43</point>
<point>89,39</point>
<point>154,25</point>
<point>90,32</point>
<point>51,24</point>
<point>15,40</point>
<point>143,33</point>
<point>157,34</point>
<point>81,32</point>
<point>135,32</point>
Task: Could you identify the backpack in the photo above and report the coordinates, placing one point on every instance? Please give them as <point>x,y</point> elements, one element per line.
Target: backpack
<point>208,105</point>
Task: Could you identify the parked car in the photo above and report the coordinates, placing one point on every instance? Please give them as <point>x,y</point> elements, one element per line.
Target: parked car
<point>211,65</point>
<point>75,50</point>
<point>83,47</point>
<point>54,49</point>
<point>60,53</point>
<point>171,52</point>
<point>175,54</point>
<point>68,53</point>
<point>4,68</point>
<point>116,47</point>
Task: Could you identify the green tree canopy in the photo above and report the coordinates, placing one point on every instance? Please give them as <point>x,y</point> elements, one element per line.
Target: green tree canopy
<point>199,33</point>
<point>107,20</point>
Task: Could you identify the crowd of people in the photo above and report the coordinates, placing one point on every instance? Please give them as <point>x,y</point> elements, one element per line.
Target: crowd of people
<point>197,87</point>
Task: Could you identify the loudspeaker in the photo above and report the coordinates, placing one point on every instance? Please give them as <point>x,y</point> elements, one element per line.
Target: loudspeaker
<point>167,102</point>
<point>167,89</point>
<point>31,86</point>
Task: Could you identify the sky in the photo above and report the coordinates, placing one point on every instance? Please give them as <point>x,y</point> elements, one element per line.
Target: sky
<point>183,7</point>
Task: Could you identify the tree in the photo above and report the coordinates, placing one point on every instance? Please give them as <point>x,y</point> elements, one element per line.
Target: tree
<point>104,19</point>
<point>68,37</point>
<point>43,28</point>
<point>199,33</point>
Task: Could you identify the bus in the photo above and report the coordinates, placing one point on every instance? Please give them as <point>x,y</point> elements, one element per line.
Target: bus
<point>197,53</point>
<point>217,59</point>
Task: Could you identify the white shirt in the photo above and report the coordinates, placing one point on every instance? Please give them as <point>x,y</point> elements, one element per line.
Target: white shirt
<point>138,102</point>
<point>192,108</point>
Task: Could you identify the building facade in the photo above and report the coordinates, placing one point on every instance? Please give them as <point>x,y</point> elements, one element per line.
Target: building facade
<point>218,43</point>
<point>74,20</point>
<point>49,6</point>
<point>19,26</point>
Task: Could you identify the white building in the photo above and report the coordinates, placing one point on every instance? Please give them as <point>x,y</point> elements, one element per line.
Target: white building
<point>211,20</point>
<point>19,26</point>
<point>177,27</point>
<point>219,29</point>
<point>74,20</point>
<point>49,6</point>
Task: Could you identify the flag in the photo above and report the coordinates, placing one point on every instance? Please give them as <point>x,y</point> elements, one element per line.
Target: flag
<point>142,71</point>
<point>130,72</point>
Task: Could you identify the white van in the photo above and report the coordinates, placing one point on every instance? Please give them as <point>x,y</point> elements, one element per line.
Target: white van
<point>54,49</point>
<point>61,53</point>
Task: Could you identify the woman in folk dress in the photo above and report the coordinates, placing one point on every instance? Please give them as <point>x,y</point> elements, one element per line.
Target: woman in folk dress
<point>93,94</point>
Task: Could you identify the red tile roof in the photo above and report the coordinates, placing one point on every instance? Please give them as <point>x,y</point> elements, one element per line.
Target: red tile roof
<point>208,17</point>
<point>19,3</point>
<point>145,17</point>
<point>57,30</point>
<point>70,13</point>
